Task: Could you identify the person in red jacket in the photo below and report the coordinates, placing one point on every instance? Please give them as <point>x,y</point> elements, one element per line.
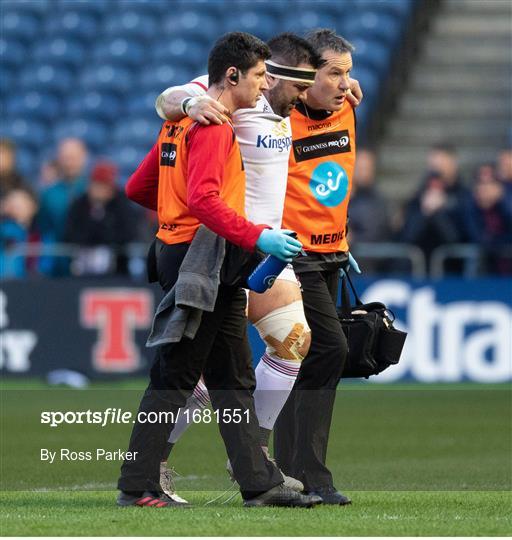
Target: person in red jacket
<point>201,180</point>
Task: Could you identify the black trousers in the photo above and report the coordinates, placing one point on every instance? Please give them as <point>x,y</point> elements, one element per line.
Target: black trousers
<point>221,352</point>
<point>301,433</point>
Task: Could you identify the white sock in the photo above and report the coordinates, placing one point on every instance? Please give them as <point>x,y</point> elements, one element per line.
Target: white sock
<point>196,402</point>
<point>275,378</point>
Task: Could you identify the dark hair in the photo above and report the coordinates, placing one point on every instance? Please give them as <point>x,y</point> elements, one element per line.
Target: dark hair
<point>292,50</point>
<point>446,147</point>
<point>325,39</point>
<point>237,49</point>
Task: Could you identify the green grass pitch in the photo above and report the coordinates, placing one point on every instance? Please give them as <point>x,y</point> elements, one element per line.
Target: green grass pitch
<point>415,459</point>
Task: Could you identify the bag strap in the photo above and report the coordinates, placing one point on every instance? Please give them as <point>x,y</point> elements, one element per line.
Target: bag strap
<point>354,292</point>
<point>346,304</point>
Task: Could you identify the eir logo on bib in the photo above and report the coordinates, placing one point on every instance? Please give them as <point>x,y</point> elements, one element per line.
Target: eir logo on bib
<point>329,183</point>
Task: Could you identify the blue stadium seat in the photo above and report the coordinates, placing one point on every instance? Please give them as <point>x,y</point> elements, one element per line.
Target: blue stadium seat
<point>372,24</point>
<point>308,19</point>
<point>33,105</point>
<point>142,6</point>
<point>156,77</point>
<point>370,83</point>
<point>336,10</point>
<point>130,24</point>
<point>7,80</point>
<point>255,22</point>
<point>46,78</point>
<point>181,53</point>
<point>96,8</point>
<point>12,53</point>
<point>32,7</point>
<point>94,134</point>
<point>72,25</point>
<point>141,104</point>
<point>363,116</point>
<point>138,131</point>
<point>398,8</point>
<point>19,26</point>
<point>276,8</point>
<point>27,163</point>
<point>107,78</point>
<point>60,51</point>
<point>95,106</point>
<point>127,157</point>
<point>372,54</point>
<point>26,133</point>
<point>120,51</point>
<point>218,8</point>
<point>191,24</point>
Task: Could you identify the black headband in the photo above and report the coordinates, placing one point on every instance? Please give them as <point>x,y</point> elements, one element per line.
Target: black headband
<point>289,73</point>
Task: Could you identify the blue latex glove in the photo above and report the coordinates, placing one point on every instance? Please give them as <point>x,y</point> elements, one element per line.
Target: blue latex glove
<point>279,243</point>
<point>351,263</point>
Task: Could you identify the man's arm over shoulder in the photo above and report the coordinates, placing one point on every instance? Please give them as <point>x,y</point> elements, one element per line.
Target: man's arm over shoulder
<point>200,107</point>
<point>168,103</point>
<point>209,147</point>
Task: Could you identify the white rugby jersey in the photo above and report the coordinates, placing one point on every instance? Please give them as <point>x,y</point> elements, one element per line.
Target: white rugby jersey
<point>265,139</point>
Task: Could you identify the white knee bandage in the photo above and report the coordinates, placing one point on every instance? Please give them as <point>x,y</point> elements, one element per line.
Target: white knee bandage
<point>284,331</point>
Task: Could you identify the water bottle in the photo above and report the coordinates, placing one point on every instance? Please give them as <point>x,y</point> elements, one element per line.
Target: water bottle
<point>264,275</point>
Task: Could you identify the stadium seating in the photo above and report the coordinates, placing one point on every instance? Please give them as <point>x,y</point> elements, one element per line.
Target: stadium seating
<point>94,105</point>
<point>107,77</point>
<point>191,25</point>
<point>121,51</point>
<point>27,133</point>
<point>93,133</point>
<point>97,61</point>
<point>141,104</point>
<point>12,53</point>
<point>130,24</point>
<point>60,51</point>
<point>7,81</point>
<point>48,77</point>
<point>72,25</point>
<point>34,105</point>
<point>19,25</point>
<point>39,8</point>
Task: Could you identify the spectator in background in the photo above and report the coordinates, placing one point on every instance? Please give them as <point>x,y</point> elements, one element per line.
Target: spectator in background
<point>435,215</point>
<point>18,208</point>
<point>99,220</point>
<point>442,159</point>
<point>9,177</point>
<point>489,222</point>
<point>429,223</point>
<point>367,209</point>
<point>57,198</point>
<point>504,173</point>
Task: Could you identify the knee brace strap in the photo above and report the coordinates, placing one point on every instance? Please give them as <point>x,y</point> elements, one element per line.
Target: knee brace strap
<point>284,331</point>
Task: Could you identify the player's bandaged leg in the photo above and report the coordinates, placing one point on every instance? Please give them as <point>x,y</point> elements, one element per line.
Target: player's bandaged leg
<point>196,402</point>
<point>287,336</point>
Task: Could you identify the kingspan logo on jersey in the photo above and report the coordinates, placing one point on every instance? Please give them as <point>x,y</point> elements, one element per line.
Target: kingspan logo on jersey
<point>278,143</point>
<point>329,183</point>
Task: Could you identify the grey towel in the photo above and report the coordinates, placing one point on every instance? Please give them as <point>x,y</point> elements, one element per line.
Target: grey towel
<point>179,313</point>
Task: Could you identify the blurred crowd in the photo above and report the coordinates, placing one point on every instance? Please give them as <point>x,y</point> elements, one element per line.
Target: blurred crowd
<point>446,209</point>
<point>75,202</point>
